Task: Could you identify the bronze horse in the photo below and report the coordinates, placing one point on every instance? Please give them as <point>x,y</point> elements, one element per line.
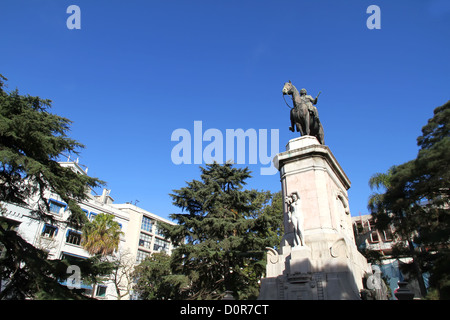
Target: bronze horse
<point>304,116</point>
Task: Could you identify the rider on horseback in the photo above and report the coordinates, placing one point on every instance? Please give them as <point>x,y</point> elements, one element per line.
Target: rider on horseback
<point>304,116</point>
<point>309,102</point>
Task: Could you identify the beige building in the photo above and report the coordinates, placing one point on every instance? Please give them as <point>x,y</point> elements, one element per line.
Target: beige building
<point>370,238</point>
<point>144,235</point>
<point>141,235</point>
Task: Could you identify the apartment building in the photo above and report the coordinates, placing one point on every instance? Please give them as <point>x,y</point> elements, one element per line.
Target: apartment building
<point>141,235</point>
<point>145,236</point>
<point>368,237</point>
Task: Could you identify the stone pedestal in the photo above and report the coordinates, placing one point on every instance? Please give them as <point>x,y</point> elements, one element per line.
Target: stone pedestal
<point>328,265</point>
<point>300,260</point>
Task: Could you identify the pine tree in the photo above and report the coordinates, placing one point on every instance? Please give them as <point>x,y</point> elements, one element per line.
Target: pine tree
<point>223,233</point>
<point>155,281</point>
<point>417,201</point>
<point>31,141</point>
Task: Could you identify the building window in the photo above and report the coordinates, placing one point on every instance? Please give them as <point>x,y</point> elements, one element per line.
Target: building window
<point>161,245</point>
<point>73,237</point>
<point>388,235</point>
<point>147,224</point>
<point>9,224</point>
<point>141,255</point>
<point>92,216</point>
<point>358,227</point>
<point>49,231</point>
<point>73,259</point>
<point>145,240</point>
<point>159,231</point>
<point>56,206</point>
<point>374,236</point>
<point>101,291</point>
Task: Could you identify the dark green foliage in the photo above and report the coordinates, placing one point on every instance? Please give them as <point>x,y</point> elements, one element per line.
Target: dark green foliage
<point>372,256</point>
<point>440,277</point>
<point>420,189</point>
<point>223,233</point>
<point>31,141</point>
<point>417,199</point>
<point>155,280</point>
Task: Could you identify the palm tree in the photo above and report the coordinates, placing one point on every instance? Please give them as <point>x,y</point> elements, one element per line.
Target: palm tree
<point>379,181</point>
<point>101,236</point>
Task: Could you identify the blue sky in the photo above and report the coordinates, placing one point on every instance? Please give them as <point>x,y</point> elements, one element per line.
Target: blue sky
<point>138,70</point>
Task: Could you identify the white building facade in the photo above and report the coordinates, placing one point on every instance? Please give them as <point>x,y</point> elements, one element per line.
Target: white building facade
<point>141,236</point>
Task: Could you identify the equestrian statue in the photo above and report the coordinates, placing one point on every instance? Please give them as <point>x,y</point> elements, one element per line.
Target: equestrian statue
<point>304,115</point>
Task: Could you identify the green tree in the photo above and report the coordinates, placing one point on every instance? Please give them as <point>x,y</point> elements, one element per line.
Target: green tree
<point>155,281</point>
<point>433,185</point>
<point>271,215</point>
<point>379,182</point>
<point>380,209</point>
<point>101,236</point>
<point>31,141</point>
<point>416,200</point>
<point>223,233</point>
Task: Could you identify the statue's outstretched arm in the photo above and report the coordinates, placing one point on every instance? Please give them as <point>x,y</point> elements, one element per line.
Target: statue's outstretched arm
<point>315,100</point>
